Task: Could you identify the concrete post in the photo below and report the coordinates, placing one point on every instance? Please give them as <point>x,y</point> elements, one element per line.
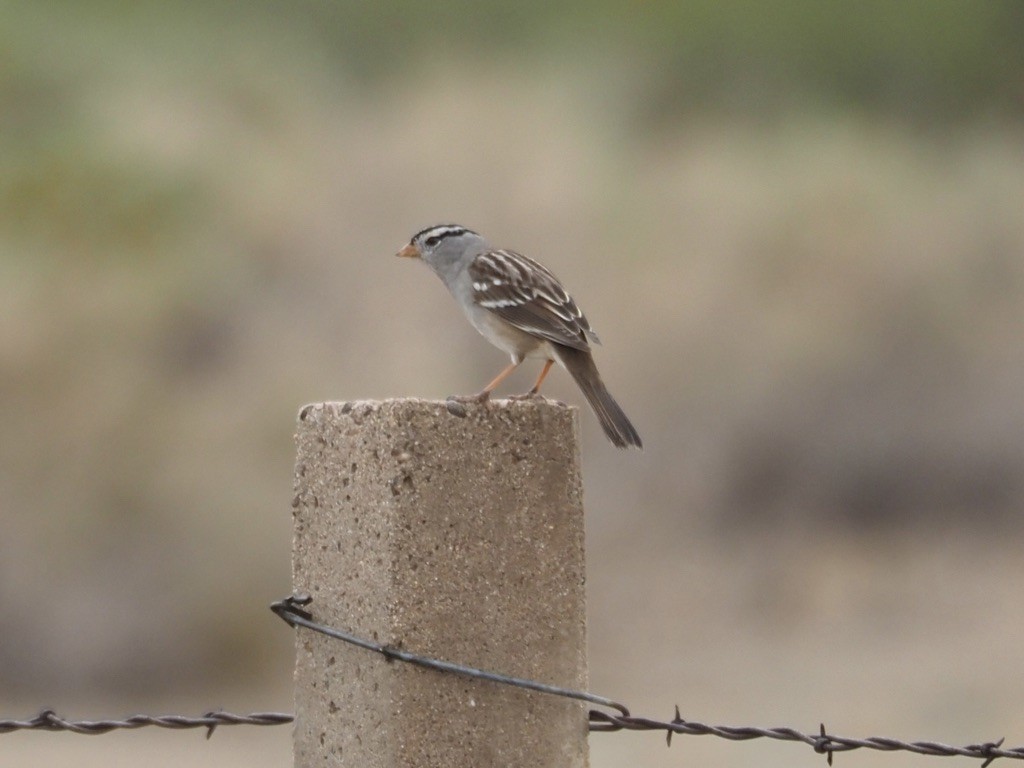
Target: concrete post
<point>458,537</point>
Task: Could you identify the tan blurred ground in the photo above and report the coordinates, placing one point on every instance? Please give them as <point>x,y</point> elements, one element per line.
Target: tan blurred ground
<point>814,319</point>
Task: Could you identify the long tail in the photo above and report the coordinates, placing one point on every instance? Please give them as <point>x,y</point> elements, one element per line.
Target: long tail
<point>617,426</point>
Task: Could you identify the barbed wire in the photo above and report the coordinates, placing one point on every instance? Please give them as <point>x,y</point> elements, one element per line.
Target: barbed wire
<point>614,716</point>
<point>822,742</point>
<point>292,610</point>
<point>48,720</point>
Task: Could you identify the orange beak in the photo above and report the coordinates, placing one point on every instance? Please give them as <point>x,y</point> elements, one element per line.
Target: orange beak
<point>410,252</point>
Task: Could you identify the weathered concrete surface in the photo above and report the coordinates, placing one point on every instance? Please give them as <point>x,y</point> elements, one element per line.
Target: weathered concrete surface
<point>455,537</point>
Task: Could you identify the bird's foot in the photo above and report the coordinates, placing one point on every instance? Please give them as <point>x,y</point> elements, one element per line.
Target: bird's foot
<point>456,404</point>
<point>480,397</point>
<point>531,395</point>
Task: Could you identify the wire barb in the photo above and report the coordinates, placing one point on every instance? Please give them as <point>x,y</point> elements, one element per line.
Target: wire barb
<point>823,746</point>
<point>989,750</point>
<point>675,722</point>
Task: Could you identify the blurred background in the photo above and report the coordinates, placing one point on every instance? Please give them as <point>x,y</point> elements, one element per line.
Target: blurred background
<point>798,228</point>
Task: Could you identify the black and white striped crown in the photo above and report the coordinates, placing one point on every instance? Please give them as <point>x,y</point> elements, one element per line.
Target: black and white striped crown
<point>431,236</point>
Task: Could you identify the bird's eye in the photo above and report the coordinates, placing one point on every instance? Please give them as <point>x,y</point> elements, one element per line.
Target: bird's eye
<point>431,241</point>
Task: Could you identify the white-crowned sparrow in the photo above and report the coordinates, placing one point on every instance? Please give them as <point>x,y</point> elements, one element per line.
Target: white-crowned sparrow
<point>520,307</point>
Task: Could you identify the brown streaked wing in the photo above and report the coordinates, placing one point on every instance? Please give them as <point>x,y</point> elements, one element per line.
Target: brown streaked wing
<point>528,296</point>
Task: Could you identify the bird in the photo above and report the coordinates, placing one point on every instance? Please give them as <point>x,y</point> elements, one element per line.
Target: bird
<point>519,306</point>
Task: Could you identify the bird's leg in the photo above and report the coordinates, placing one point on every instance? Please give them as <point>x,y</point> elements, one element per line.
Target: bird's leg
<point>535,392</point>
<point>485,394</point>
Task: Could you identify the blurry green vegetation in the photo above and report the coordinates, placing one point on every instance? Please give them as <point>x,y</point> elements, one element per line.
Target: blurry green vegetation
<point>924,58</point>
<point>935,62</point>
<point>927,59</point>
<point>64,184</point>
